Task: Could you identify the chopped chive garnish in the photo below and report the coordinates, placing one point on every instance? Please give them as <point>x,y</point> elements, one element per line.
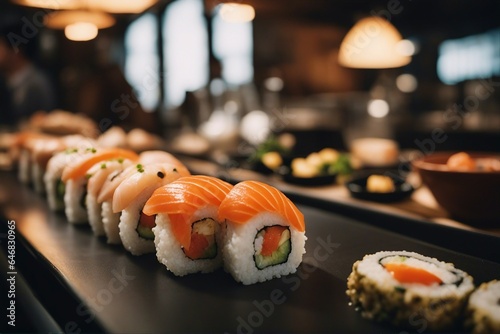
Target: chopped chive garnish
<point>103,166</point>
<point>140,168</point>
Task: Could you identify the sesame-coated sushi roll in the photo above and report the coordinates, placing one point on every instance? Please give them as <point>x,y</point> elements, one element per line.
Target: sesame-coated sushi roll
<point>135,226</point>
<point>483,309</point>
<point>399,287</point>
<point>265,233</point>
<point>188,235</point>
<point>75,177</point>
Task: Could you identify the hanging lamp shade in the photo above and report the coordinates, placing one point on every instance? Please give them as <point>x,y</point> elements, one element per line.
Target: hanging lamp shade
<point>110,6</point>
<point>372,43</point>
<point>61,19</point>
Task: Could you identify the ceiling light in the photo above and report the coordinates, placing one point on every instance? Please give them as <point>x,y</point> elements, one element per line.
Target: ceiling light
<point>110,6</point>
<point>81,31</point>
<point>372,43</point>
<point>61,19</point>
<point>236,12</point>
<point>120,6</point>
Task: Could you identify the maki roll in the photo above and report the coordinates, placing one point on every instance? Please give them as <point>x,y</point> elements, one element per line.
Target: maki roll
<point>483,309</point>
<point>135,226</point>
<point>188,235</point>
<point>55,188</point>
<point>400,286</point>
<point>265,233</point>
<point>75,177</point>
<point>95,183</point>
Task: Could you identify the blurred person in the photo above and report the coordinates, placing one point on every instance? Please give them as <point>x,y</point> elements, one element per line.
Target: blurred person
<point>24,88</point>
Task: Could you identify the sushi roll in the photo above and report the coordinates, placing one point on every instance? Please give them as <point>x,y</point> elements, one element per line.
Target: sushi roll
<point>265,233</point>
<point>110,219</point>
<point>42,151</point>
<point>94,185</point>
<point>75,148</point>
<point>483,309</point>
<point>54,186</point>
<point>398,286</point>
<point>188,236</point>
<point>75,177</point>
<point>135,226</point>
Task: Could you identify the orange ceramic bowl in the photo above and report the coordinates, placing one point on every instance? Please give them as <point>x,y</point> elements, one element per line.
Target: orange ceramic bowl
<point>472,197</point>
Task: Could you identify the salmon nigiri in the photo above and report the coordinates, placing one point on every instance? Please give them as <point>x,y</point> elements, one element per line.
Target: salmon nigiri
<point>265,235</point>
<point>187,235</point>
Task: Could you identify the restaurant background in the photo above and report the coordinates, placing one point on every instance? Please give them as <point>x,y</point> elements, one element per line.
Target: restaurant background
<point>185,64</point>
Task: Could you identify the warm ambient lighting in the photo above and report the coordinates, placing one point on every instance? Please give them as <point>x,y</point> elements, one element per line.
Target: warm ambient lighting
<point>79,25</point>
<point>81,31</point>
<point>237,13</point>
<point>61,19</point>
<point>372,43</point>
<point>110,6</point>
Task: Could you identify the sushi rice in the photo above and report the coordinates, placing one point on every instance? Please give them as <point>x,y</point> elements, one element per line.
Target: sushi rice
<point>110,222</point>
<point>483,309</point>
<point>239,250</point>
<point>170,253</point>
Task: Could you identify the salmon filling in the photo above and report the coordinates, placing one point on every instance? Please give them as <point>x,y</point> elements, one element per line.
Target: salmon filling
<point>145,226</point>
<point>272,246</point>
<point>203,244</point>
<point>60,190</point>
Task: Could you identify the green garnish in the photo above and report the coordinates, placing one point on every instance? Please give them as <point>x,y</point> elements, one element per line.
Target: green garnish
<point>91,149</point>
<point>140,168</point>
<point>88,176</point>
<point>71,150</point>
<point>103,166</point>
<point>120,160</point>
<point>271,144</point>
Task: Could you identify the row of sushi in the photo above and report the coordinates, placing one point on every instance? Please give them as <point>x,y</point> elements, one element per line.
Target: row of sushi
<point>149,202</point>
<point>421,293</point>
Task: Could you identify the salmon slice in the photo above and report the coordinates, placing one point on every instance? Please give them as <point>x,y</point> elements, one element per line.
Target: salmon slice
<point>80,167</point>
<point>98,178</point>
<point>146,178</point>
<point>156,156</point>
<point>249,198</point>
<point>182,198</point>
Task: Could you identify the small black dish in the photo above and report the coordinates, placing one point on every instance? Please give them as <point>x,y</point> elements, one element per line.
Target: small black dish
<point>357,188</point>
<point>314,181</point>
<point>259,167</point>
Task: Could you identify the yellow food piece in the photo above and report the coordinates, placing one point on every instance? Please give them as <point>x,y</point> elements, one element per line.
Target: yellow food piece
<point>314,159</point>
<point>272,160</point>
<point>379,184</point>
<point>302,168</point>
<point>329,155</point>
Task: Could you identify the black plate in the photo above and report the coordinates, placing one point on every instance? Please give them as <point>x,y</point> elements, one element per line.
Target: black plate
<point>357,188</point>
<point>321,180</point>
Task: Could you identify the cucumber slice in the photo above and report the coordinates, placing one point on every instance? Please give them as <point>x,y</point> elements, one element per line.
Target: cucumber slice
<point>210,252</point>
<point>278,257</point>
<point>60,190</point>
<point>145,226</point>
<point>145,232</point>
